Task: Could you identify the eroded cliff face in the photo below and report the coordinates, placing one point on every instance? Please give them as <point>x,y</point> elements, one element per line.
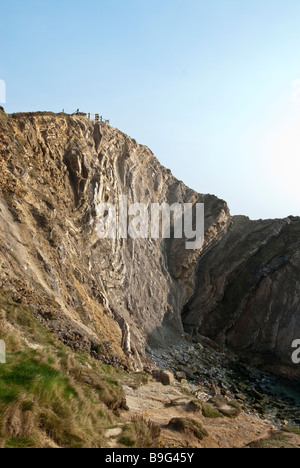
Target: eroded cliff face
<point>118,299</point>
<point>247,293</point>
<point>109,297</point>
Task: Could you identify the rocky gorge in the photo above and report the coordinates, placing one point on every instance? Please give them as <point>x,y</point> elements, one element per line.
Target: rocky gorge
<point>220,317</point>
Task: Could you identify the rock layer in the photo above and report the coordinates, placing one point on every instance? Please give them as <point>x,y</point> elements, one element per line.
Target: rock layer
<point>96,294</point>
<point>247,292</point>
<point>116,299</point>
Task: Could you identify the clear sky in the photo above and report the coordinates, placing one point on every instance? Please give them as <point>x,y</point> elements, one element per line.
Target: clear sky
<point>209,85</point>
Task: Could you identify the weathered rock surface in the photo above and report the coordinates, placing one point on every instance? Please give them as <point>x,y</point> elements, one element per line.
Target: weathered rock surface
<point>152,400</point>
<point>99,295</point>
<point>118,299</point>
<point>164,376</point>
<point>188,426</point>
<point>248,291</point>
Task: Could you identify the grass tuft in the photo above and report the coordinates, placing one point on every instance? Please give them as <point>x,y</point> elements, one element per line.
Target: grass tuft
<point>141,433</point>
<point>49,395</point>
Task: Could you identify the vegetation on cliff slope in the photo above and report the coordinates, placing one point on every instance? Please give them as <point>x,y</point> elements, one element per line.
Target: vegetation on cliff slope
<point>49,395</point>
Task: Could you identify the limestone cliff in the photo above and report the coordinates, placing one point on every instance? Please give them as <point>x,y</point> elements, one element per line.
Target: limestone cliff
<point>96,294</point>
<point>116,299</point>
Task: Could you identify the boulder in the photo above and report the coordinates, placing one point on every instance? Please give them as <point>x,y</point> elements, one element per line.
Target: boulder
<point>188,372</point>
<point>163,376</point>
<point>180,375</point>
<point>194,407</point>
<point>179,402</point>
<point>230,409</point>
<point>188,426</point>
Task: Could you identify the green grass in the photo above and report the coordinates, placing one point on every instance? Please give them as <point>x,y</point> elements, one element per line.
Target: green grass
<point>230,409</point>
<point>210,412</point>
<point>140,433</point>
<point>188,426</point>
<point>127,441</point>
<point>112,382</point>
<point>53,397</point>
<point>276,440</point>
<point>41,399</point>
<point>23,319</point>
<point>20,443</point>
<point>50,396</point>
<point>138,380</point>
<point>292,430</point>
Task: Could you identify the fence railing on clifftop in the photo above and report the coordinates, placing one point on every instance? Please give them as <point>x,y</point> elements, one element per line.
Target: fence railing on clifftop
<point>97,118</point>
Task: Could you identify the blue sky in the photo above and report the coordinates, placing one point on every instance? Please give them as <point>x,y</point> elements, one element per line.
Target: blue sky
<point>206,84</point>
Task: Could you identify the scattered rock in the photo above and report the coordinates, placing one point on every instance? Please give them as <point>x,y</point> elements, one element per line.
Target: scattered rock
<point>180,375</point>
<point>188,426</point>
<point>229,409</point>
<point>163,376</point>
<point>194,407</point>
<point>179,402</point>
<point>256,395</point>
<point>187,371</point>
<point>216,391</point>
<point>112,433</point>
<point>199,347</point>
